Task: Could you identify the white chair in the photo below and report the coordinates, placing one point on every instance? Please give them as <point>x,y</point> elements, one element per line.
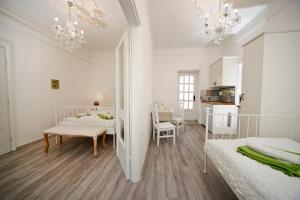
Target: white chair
<point>178,120</point>
<point>162,129</point>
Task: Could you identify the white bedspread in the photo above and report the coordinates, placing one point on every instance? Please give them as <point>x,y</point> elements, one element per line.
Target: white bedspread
<point>92,120</point>
<point>277,149</point>
<point>250,179</point>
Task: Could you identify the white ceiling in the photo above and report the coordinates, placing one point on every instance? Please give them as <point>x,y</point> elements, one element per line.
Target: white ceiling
<point>177,23</point>
<point>42,12</point>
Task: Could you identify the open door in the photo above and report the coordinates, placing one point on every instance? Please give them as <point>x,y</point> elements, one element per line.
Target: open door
<point>5,141</point>
<point>122,103</point>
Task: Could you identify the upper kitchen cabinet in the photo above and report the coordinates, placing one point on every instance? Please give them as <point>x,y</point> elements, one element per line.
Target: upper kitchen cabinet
<point>223,73</point>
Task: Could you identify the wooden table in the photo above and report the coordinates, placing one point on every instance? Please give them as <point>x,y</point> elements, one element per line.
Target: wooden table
<point>75,131</point>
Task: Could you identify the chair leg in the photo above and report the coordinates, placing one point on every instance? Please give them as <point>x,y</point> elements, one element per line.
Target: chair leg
<point>205,158</point>
<point>153,134</point>
<point>174,136</point>
<point>158,133</point>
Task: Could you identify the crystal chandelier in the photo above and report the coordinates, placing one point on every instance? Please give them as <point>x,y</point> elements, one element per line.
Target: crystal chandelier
<point>85,10</point>
<point>218,27</point>
<point>70,36</point>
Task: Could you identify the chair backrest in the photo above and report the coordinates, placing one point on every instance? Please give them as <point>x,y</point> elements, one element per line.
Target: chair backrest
<point>182,113</point>
<point>179,113</point>
<point>155,117</point>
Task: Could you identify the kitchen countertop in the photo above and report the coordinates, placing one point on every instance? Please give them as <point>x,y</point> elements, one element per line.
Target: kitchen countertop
<point>216,103</point>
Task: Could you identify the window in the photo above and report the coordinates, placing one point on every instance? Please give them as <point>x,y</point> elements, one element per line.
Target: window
<point>186,91</point>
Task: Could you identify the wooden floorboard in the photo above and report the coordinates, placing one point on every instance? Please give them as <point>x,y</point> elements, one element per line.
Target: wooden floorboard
<point>71,172</point>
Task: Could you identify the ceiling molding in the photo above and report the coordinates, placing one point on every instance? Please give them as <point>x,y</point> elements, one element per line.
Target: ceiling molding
<point>50,39</point>
<point>25,21</point>
<point>11,12</point>
<point>188,51</point>
<point>257,27</point>
<point>253,33</point>
<point>130,11</point>
<point>40,13</point>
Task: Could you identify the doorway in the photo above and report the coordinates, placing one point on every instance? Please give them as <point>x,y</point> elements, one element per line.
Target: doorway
<point>187,94</point>
<point>5,137</point>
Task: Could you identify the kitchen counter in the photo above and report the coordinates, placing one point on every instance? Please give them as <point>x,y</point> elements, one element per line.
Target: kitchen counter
<point>216,103</point>
<point>221,116</point>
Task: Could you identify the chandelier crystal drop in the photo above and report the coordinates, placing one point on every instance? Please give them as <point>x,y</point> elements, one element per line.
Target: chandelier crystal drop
<point>219,26</point>
<point>70,36</point>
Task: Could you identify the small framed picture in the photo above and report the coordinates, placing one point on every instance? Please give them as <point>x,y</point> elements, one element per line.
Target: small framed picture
<point>55,84</point>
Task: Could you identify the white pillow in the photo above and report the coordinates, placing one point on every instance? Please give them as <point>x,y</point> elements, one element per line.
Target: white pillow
<point>82,114</point>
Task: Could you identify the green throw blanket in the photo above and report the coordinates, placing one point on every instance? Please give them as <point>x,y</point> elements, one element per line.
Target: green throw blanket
<point>287,168</point>
<point>106,116</point>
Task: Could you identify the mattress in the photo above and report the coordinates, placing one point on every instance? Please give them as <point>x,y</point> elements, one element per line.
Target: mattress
<point>248,178</point>
<point>92,120</point>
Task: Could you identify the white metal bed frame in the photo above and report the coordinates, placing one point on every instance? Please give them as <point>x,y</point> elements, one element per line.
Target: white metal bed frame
<point>261,127</point>
<point>290,124</point>
<point>63,112</point>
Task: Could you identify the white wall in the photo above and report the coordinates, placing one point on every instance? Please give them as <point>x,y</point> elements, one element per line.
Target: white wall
<point>103,76</point>
<point>281,71</point>
<point>168,62</point>
<point>36,60</point>
<point>146,78</point>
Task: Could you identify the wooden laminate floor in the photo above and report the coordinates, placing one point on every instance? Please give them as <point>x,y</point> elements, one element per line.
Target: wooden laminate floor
<point>71,172</point>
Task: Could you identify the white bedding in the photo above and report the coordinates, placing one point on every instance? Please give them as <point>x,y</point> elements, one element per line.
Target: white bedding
<point>250,179</point>
<point>278,149</point>
<point>92,120</point>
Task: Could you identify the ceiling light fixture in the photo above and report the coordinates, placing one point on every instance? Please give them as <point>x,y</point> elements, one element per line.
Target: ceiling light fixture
<point>217,27</point>
<point>70,36</point>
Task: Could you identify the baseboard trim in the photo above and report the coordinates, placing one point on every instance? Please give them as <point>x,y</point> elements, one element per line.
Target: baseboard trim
<point>31,143</point>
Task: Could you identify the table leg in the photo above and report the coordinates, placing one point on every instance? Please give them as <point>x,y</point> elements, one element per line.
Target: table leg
<point>46,145</point>
<point>95,139</point>
<point>61,139</point>
<point>103,139</point>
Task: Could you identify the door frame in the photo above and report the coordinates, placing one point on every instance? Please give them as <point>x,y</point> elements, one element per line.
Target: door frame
<point>123,114</point>
<point>135,46</point>
<point>9,47</point>
<point>135,100</point>
<point>132,114</point>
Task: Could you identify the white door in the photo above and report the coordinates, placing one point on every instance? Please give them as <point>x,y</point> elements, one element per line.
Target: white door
<point>122,103</point>
<point>187,82</point>
<point>5,143</point>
